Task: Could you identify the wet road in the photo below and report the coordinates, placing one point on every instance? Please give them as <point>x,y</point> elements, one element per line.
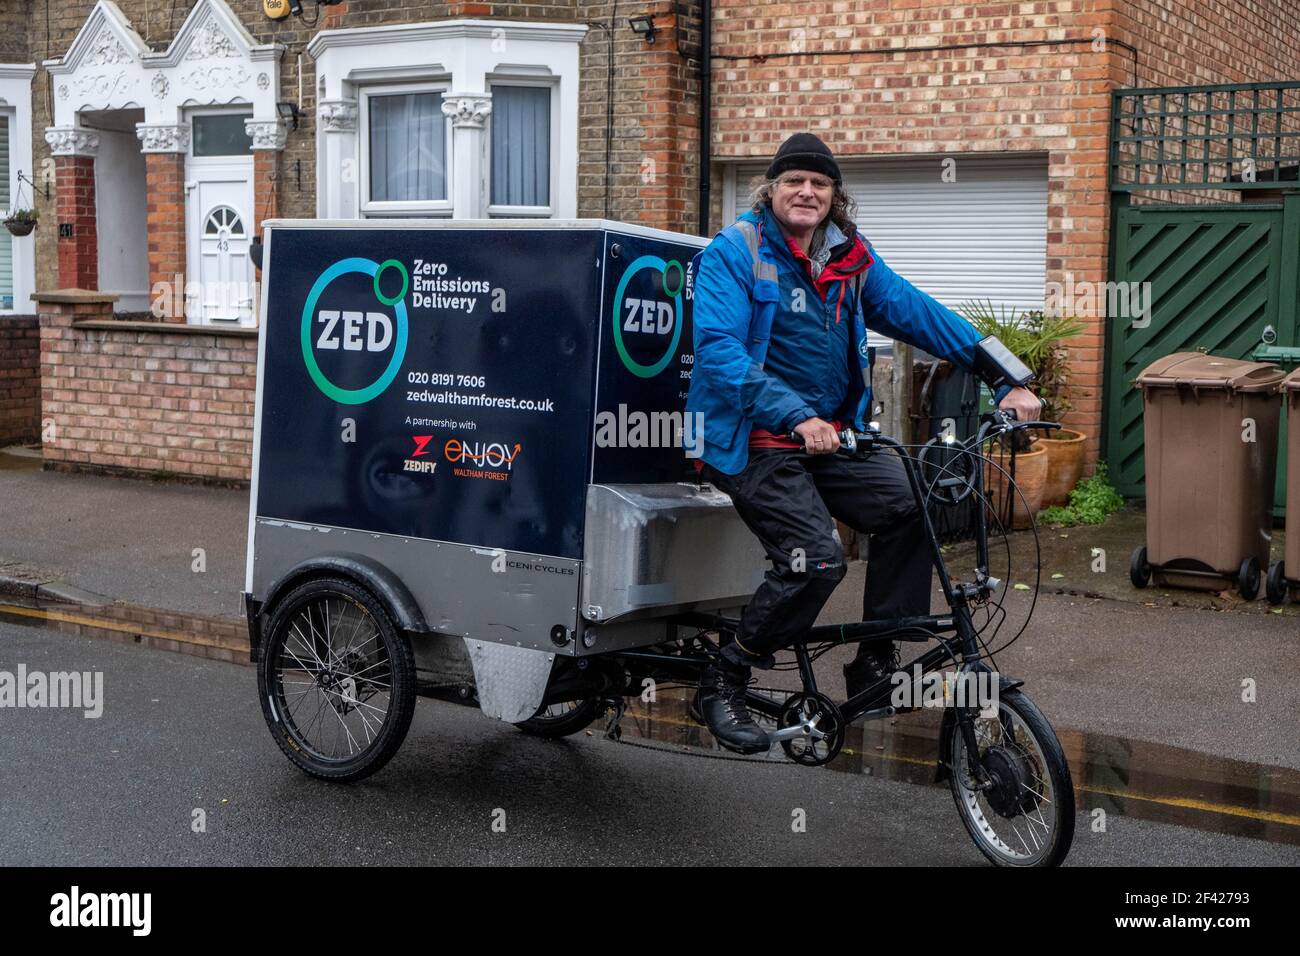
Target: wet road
<point>181,733</point>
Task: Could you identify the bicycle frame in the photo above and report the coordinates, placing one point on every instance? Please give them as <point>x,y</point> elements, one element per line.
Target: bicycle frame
<point>954,631</point>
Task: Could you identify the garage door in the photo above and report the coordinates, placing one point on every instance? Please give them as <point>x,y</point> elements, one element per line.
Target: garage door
<point>983,236</point>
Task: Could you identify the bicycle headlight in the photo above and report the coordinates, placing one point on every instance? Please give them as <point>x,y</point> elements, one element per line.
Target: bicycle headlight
<point>996,364</point>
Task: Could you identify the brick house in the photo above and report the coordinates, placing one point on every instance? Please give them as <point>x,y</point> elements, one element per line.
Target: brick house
<point>974,135</point>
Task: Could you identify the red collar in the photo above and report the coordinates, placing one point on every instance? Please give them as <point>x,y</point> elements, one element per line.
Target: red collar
<point>856,259</point>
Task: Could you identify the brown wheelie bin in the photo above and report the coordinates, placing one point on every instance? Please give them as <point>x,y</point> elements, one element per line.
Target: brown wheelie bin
<point>1211,452</point>
<point>1279,585</point>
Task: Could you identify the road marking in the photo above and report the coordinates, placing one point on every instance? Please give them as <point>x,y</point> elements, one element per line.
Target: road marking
<point>1266,816</point>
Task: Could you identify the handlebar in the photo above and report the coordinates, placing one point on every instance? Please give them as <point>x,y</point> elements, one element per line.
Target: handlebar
<point>993,424</point>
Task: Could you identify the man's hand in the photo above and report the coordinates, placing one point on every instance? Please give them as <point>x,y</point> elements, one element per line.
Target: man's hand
<point>1024,403</point>
<point>819,437</point>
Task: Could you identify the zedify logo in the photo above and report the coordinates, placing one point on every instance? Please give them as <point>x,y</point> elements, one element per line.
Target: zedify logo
<point>478,459</point>
<point>353,331</point>
<point>648,315</point>
<point>417,461</point>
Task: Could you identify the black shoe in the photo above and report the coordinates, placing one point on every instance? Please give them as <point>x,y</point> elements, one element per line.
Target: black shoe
<point>867,668</point>
<point>721,701</point>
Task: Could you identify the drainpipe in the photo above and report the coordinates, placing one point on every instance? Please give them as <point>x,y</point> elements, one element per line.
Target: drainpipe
<point>706,95</point>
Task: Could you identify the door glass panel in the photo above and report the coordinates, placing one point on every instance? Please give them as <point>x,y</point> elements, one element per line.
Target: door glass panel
<point>221,134</point>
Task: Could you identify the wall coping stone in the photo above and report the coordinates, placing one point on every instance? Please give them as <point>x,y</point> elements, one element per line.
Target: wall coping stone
<point>74,296</point>
<point>163,328</point>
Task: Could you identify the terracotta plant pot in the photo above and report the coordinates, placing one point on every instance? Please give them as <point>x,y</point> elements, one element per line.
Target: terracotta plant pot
<point>1031,475</point>
<point>1064,464</point>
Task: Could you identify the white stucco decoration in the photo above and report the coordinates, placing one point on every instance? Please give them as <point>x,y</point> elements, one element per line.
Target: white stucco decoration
<point>213,61</point>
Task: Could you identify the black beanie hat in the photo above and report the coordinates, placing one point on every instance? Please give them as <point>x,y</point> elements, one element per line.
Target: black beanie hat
<point>804,151</point>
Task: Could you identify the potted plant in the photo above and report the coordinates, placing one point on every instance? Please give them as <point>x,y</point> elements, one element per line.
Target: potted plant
<point>1037,339</point>
<point>21,222</point>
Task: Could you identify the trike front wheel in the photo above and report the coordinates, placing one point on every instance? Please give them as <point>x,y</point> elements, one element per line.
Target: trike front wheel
<point>1026,816</point>
<point>337,680</point>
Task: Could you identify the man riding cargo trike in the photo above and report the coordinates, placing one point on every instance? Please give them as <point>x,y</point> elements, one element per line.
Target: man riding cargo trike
<point>539,465</point>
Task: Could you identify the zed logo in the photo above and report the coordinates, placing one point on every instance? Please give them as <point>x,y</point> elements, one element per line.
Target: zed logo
<point>643,321</point>
<point>366,332</point>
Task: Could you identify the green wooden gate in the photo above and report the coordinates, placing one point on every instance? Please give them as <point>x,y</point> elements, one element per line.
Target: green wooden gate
<point>1221,278</point>
<point>1216,284</point>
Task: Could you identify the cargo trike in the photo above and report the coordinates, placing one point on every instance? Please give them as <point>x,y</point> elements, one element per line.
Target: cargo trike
<point>472,480</point>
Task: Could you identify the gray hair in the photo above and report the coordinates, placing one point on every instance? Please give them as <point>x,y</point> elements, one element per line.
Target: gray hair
<point>843,208</point>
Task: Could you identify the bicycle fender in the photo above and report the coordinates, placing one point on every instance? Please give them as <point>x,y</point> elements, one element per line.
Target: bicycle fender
<point>368,572</point>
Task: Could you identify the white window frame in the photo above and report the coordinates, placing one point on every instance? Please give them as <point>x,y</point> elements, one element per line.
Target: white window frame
<point>519,212</point>
<point>16,103</point>
<point>239,109</point>
<point>9,116</point>
<point>371,209</point>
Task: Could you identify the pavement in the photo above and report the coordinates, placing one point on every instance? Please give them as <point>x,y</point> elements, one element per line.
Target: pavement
<point>91,539</point>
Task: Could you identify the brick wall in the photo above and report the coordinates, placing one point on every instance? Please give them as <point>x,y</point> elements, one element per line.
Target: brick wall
<point>1186,43</point>
<point>141,397</point>
<point>1017,76</point>
<point>20,380</point>
<point>15,18</point>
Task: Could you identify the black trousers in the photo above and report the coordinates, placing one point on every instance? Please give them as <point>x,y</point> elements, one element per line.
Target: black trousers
<point>788,498</point>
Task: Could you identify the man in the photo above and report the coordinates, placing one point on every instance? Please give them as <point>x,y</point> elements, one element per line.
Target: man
<point>782,301</point>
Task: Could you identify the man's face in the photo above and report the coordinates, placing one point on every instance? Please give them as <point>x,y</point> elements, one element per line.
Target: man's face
<point>801,199</point>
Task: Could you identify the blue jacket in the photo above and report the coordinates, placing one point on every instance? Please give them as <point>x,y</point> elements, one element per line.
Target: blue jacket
<point>740,293</point>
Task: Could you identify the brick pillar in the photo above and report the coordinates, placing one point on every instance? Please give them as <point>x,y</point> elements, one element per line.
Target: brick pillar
<point>61,421</point>
<point>74,178</point>
<point>269,137</point>
<point>164,182</point>
<point>164,146</point>
<point>74,152</point>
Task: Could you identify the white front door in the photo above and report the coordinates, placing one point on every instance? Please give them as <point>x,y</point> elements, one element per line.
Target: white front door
<point>224,294</point>
<point>219,220</point>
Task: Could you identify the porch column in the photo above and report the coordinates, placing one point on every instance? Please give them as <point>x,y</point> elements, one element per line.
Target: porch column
<point>74,152</point>
<point>469,113</point>
<point>338,166</point>
<point>164,147</point>
<point>269,137</point>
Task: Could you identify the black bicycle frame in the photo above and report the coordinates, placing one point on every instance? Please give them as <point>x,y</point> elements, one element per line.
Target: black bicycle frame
<point>873,701</point>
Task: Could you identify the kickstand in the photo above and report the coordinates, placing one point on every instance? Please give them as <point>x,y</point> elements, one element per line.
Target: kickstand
<point>614,720</point>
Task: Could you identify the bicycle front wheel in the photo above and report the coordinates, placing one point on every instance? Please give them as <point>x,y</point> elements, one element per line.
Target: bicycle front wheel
<point>1026,817</point>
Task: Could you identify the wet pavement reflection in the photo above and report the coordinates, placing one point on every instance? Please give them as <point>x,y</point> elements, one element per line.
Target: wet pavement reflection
<point>1132,778</point>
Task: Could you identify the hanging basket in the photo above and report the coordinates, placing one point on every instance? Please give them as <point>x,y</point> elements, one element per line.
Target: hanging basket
<point>20,227</point>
